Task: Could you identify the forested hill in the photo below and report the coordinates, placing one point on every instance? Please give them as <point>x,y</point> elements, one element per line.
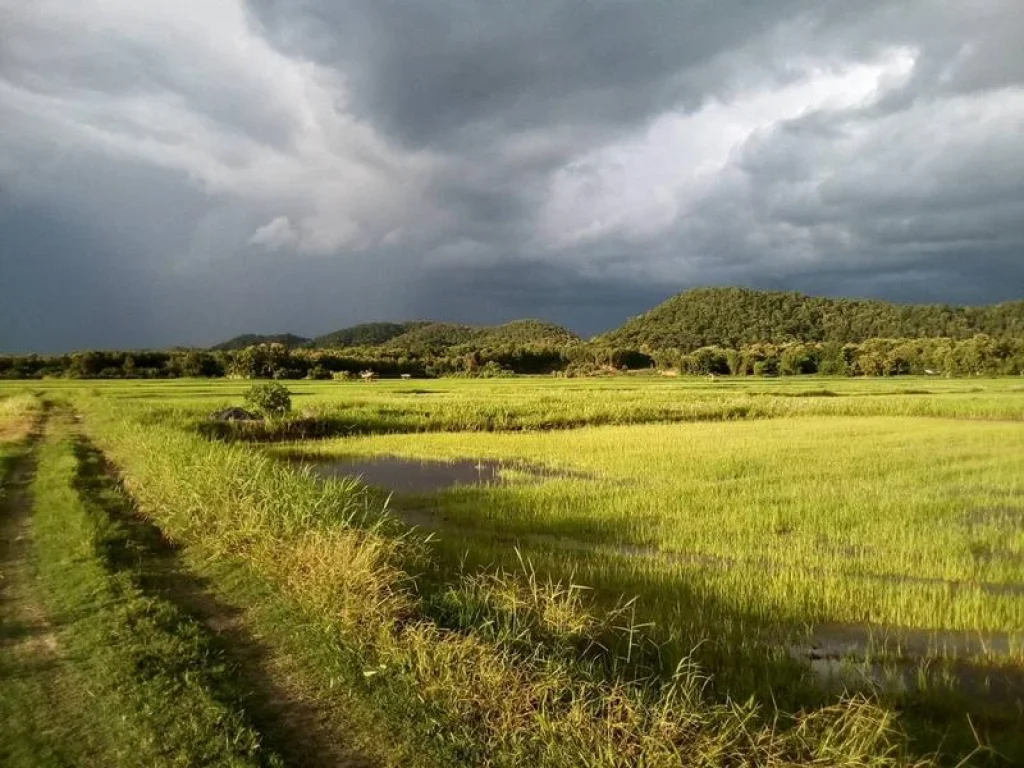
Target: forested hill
<point>528,332</point>
<point>252,339</point>
<point>441,336</point>
<point>715,331</point>
<point>735,317</point>
<point>365,334</point>
<point>419,336</point>
<point>724,317</point>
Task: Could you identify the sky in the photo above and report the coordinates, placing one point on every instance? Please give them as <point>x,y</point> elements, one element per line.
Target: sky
<point>178,173</point>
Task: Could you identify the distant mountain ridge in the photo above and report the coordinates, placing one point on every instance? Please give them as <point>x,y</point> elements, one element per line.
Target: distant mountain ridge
<point>735,317</point>
<point>252,339</point>
<point>420,335</point>
<point>700,317</point>
<point>365,334</point>
<point>438,336</point>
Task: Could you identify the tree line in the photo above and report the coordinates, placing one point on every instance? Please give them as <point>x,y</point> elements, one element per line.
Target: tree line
<point>980,354</point>
<point>720,331</point>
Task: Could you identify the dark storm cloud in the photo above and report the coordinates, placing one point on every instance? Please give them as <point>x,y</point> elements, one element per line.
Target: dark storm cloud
<point>183,173</point>
<point>507,291</point>
<point>441,72</point>
<point>58,289</point>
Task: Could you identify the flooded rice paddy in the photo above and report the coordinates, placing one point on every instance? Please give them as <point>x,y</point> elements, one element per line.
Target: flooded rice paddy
<point>819,532</point>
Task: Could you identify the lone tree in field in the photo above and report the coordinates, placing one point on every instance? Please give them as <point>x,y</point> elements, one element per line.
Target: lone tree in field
<point>271,398</point>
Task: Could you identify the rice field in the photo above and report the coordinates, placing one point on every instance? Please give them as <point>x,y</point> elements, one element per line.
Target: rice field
<point>917,506</point>
<point>804,547</point>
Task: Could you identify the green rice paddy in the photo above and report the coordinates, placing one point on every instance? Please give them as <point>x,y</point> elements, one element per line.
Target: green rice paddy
<point>797,540</point>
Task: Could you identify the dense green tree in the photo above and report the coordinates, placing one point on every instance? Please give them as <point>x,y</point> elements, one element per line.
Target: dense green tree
<point>269,398</point>
<point>364,335</point>
<point>195,363</point>
<point>704,361</point>
<point>798,359</point>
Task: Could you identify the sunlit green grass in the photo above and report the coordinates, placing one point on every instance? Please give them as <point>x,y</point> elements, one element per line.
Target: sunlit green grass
<point>508,667</point>
<point>542,402</point>
<point>129,680</point>
<point>910,522</point>
<point>746,516</point>
<point>744,539</point>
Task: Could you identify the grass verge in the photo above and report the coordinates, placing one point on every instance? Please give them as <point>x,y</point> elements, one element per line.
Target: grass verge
<point>155,690</point>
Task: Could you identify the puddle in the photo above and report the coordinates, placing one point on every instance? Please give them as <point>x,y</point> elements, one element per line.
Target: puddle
<point>1003,686</point>
<point>838,640</point>
<point>902,660</point>
<point>905,660</point>
<point>418,476</point>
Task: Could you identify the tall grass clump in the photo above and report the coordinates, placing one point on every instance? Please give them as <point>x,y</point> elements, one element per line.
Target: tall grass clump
<point>18,413</point>
<point>477,682</point>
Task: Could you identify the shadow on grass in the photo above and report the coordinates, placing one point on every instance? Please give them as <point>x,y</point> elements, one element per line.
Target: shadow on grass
<point>23,630</point>
<point>291,725</point>
<point>746,653</point>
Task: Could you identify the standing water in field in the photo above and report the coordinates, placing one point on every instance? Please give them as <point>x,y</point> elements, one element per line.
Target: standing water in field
<point>420,476</point>
<point>904,659</point>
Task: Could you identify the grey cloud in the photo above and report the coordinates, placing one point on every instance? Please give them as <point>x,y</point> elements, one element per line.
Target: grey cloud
<point>965,47</point>
<point>446,72</point>
<point>43,54</point>
<point>529,288</point>
<point>183,174</point>
<point>64,287</point>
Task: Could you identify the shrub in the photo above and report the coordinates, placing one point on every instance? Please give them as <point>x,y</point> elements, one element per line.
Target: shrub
<point>318,372</point>
<point>269,398</point>
<point>492,370</point>
<point>797,359</point>
<point>705,360</point>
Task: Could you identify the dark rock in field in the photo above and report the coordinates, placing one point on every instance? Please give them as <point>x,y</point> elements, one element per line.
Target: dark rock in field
<point>234,414</point>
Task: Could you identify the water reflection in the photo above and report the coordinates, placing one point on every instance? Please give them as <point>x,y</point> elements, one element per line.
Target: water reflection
<point>418,476</point>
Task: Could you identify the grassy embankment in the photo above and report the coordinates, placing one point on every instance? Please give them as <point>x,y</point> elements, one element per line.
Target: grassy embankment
<point>455,406</point>
<point>511,676</point>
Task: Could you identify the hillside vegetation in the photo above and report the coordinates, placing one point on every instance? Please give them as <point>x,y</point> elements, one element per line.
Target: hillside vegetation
<point>417,335</point>
<point>737,317</point>
<point>708,331</point>
<point>364,335</point>
<point>444,336</point>
<point>702,317</point>
<point>253,339</point>
<point>529,332</point>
